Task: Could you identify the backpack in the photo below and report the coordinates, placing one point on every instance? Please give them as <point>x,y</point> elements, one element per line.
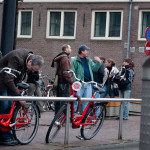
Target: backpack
<point>120,79</point>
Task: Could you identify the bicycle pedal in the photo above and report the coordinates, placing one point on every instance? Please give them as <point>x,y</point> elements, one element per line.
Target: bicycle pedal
<point>79,137</point>
<point>57,123</point>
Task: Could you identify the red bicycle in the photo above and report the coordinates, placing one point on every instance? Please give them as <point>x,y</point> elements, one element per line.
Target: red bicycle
<point>90,120</point>
<point>23,121</point>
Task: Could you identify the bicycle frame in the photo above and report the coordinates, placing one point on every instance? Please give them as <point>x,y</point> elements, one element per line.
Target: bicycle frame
<point>5,119</point>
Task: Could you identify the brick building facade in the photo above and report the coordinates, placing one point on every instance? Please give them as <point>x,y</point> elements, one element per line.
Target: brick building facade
<point>84,10</point>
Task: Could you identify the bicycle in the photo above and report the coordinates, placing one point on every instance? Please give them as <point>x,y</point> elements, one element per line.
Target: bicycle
<point>90,120</point>
<point>47,91</point>
<point>23,121</point>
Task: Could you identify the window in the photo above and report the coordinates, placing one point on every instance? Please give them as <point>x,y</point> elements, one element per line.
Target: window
<point>61,24</point>
<point>25,23</point>
<point>144,22</point>
<point>107,25</point>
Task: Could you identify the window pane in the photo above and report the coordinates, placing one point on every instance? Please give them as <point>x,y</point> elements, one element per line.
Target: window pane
<point>114,25</point>
<point>100,24</point>
<point>145,23</point>
<point>26,23</point>
<point>55,19</point>
<point>69,22</point>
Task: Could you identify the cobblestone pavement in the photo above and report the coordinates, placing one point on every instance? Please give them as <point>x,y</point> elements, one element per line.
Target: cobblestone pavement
<point>107,135</point>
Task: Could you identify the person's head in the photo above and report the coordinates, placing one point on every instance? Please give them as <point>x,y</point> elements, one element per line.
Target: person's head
<point>66,48</point>
<point>110,62</point>
<point>102,59</point>
<point>83,50</point>
<point>129,62</point>
<point>34,62</point>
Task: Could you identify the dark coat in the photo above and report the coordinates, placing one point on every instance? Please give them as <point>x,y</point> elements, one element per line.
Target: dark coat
<point>16,59</point>
<point>64,64</point>
<point>99,75</point>
<point>33,77</point>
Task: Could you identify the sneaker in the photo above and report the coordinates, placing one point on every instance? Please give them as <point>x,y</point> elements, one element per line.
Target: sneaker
<point>9,142</point>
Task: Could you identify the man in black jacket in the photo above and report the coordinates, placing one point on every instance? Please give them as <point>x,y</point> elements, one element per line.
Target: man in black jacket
<point>98,76</point>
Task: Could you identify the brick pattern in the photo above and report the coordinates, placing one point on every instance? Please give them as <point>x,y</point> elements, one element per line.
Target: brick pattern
<point>48,48</point>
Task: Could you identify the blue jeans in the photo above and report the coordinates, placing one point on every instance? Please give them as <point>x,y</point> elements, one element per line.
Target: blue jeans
<point>5,107</point>
<point>103,95</point>
<point>126,105</point>
<point>84,92</point>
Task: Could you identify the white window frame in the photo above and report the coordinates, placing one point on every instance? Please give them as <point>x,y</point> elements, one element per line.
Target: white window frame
<point>140,25</point>
<point>61,25</point>
<point>107,25</point>
<point>19,24</point>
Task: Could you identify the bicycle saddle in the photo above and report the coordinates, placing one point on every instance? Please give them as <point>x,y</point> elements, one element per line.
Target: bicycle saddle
<point>23,85</point>
<point>98,88</point>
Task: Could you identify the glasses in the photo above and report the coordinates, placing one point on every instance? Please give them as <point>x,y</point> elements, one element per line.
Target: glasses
<point>35,68</point>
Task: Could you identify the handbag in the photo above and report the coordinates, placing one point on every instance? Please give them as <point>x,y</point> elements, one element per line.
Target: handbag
<point>55,84</point>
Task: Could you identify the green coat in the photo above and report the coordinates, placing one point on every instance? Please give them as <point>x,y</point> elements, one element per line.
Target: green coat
<point>79,70</point>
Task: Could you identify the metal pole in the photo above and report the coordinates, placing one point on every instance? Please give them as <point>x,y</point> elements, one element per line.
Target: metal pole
<point>66,141</point>
<point>120,121</point>
<point>129,28</point>
<point>8,26</point>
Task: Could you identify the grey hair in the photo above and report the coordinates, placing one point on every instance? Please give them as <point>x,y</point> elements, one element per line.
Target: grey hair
<point>36,60</point>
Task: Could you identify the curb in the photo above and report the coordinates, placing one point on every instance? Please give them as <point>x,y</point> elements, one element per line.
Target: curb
<point>119,146</point>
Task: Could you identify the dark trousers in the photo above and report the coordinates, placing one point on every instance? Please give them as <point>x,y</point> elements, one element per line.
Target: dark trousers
<point>63,90</point>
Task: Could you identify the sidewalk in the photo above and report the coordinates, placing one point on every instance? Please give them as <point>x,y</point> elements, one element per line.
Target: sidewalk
<point>107,135</point>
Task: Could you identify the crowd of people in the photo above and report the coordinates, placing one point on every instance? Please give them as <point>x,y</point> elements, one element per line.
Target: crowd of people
<point>98,69</point>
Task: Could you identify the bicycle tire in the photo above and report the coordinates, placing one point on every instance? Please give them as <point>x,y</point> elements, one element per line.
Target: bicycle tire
<point>54,128</point>
<point>26,133</point>
<point>89,131</point>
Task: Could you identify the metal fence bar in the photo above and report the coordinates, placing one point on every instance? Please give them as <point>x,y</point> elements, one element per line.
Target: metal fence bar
<point>69,99</point>
<point>120,121</point>
<point>67,124</point>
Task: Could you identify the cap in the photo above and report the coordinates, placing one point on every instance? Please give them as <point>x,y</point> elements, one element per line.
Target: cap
<point>83,47</point>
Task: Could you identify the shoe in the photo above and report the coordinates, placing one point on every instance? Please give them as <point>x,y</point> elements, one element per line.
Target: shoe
<point>9,142</point>
<point>125,118</point>
<point>79,137</point>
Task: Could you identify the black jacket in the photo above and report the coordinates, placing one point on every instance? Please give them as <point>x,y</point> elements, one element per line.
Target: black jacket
<point>98,76</point>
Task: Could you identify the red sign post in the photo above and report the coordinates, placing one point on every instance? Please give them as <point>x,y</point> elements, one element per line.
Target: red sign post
<point>147,48</point>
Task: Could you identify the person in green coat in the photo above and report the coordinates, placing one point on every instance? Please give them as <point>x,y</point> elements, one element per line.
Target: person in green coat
<point>84,67</point>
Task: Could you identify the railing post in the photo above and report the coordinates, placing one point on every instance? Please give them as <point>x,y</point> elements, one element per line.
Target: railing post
<point>67,124</point>
<point>120,121</point>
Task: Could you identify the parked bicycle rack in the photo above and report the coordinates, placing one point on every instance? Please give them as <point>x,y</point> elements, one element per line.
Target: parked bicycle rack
<point>69,99</point>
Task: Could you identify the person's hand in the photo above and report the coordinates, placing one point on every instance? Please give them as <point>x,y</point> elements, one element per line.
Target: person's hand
<point>97,58</point>
<point>22,103</point>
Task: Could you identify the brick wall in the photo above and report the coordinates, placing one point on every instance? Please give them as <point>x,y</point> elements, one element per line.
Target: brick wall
<point>48,48</point>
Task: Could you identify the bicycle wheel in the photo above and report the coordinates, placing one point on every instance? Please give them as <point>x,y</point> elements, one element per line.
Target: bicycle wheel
<point>89,131</point>
<point>56,124</point>
<point>25,133</point>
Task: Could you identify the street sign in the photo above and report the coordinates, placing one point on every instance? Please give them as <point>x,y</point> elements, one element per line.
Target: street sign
<point>147,33</point>
<point>147,48</point>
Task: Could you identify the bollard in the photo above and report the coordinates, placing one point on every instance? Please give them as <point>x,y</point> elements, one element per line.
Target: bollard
<point>145,113</point>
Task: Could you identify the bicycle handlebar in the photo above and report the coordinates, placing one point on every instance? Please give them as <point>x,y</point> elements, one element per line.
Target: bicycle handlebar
<point>71,71</point>
<point>11,71</point>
